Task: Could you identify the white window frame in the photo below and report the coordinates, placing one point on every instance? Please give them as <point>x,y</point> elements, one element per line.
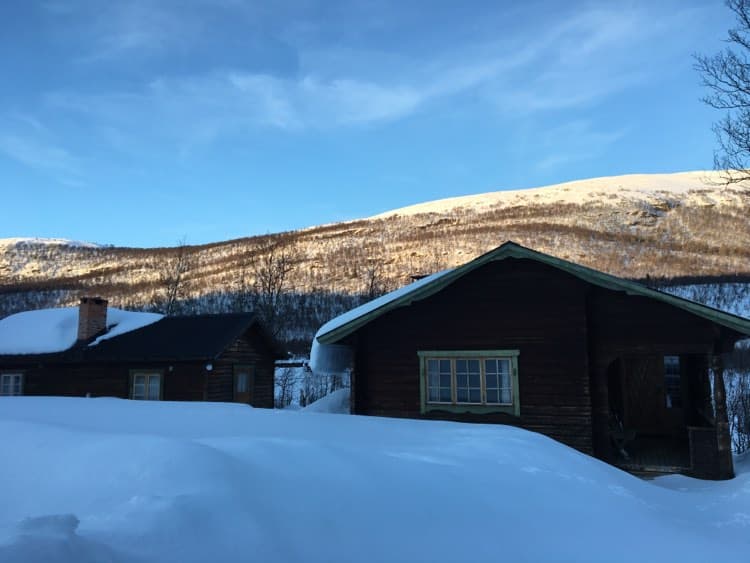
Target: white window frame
<point>10,389</point>
<point>513,406</point>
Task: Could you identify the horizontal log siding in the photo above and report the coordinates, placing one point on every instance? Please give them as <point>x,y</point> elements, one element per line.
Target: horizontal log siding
<point>77,381</point>
<point>248,350</point>
<point>512,304</point>
<point>185,382</point>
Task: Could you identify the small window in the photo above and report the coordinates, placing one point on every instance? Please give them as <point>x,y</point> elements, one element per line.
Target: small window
<point>672,382</point>
<point>11,384</point>
<point>485,381</point>
<point>146,386</point>
<point>243,382</point>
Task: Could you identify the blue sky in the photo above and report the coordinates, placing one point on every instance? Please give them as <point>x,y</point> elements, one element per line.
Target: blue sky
<point>143,123</point>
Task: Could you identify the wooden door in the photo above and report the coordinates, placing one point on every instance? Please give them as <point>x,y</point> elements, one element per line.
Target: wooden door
<point>676,394</point>
<point>654,395</point>
<point>643,394</point>
<point>244,384</point>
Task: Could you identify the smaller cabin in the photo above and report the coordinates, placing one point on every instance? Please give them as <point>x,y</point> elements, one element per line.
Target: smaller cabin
<point>97,351</point>
<point>617,370</point>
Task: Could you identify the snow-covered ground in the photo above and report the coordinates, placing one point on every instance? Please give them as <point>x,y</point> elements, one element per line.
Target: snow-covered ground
<point>87,480</point>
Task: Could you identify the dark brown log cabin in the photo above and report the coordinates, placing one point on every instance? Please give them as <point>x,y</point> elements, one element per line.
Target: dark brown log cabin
<point>225,357</point>
<point>605,365</point>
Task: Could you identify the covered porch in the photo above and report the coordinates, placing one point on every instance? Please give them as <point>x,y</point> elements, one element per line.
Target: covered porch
<point>663,413</point>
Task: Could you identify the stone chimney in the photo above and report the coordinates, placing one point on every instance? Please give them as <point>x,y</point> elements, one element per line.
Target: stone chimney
<point>92,317</point>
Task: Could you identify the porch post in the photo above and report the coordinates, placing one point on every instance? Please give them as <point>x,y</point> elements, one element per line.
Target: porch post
<point>352,398</point>
<point>724,464</point>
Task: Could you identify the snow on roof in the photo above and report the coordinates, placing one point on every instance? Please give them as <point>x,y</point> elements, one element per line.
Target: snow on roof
<point>54,330</point>
<point>328,358</point>
<point>377,303</point>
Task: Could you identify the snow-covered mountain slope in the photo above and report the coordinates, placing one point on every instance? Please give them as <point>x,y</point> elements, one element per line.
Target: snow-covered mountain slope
<point>92,480</point>
<point>661,225</point>
<point>687,188</point>
<point>21,241</point>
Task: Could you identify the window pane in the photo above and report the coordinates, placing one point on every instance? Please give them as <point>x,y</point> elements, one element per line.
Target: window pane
<point>139,391</point>
<point>493,396</point>
<point>490,366</point>
<point>491,381</point>
<point>504,372</point>
<point>445,395</point>
<point>445,366</point>
<point>475,395</point>
<point>505,396</point>
<point>5,385</point>
<point>242,382</point>
<point>445,380</point>
<point>473,366</point>
<point>433,380</point>
<point>462,379</point>
<point>461,366</point>
<point>153,388</point>
<point>672,382</point>
<point>475,380</point>
<point>462,395</point>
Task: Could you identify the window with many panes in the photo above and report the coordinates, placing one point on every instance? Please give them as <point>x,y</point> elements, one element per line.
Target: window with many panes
<point>146,385</point>
<point>11,384</point>
<point>487,380</point>
<point>672,382</point>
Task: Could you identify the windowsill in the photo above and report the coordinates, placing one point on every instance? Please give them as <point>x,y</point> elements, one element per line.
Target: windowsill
<point>470,408</point>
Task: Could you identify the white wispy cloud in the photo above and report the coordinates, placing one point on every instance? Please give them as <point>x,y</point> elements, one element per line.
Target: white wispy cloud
<point>38,155</point>
<point>27,140</point>
<point>572,63</point>
<point>575,141</point>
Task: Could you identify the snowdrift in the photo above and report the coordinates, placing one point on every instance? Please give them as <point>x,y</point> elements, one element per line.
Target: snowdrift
<point>115,480</point>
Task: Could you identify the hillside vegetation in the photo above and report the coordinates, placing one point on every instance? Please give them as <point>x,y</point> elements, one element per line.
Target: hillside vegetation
<point>661,227</point>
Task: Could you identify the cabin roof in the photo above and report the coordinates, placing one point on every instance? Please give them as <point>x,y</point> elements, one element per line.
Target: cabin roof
<point>179,338</point>
<point>342,326</point>
<point>197,337</point>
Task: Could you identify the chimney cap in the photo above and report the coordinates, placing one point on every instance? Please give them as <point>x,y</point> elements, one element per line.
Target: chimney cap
<point>95,300</point>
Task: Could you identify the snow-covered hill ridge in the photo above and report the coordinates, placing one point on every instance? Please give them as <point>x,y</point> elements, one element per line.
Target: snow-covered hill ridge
<point>685,225</point>
<point>21,241</point>
<point>700,187</point>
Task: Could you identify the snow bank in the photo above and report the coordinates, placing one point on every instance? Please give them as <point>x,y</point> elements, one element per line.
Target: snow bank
<point>108,479</point>
<point>54,330</point>
<point>53,539</point>
<point>333,403</point>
